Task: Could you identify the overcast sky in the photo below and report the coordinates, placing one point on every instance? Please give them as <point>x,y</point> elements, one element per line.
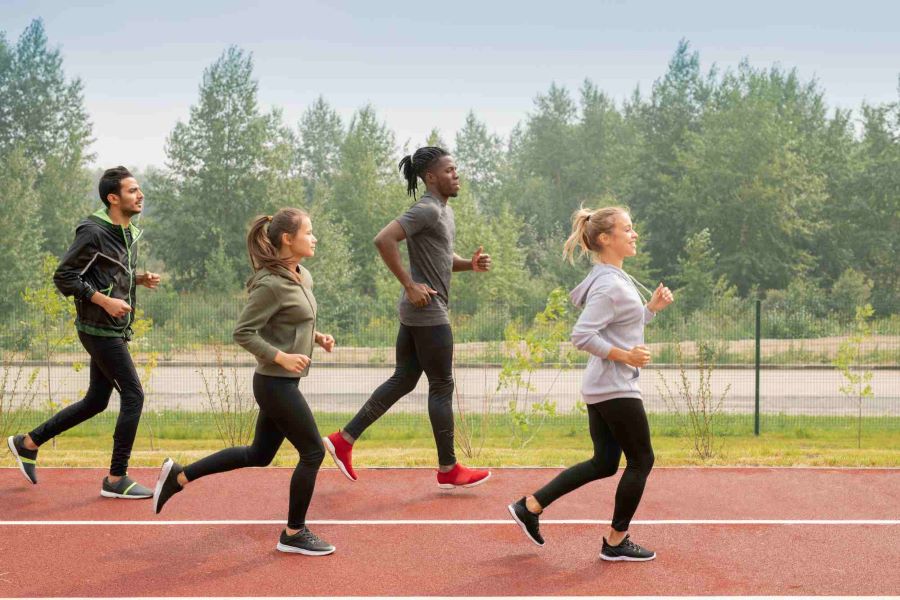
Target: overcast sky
<point>426,64</point>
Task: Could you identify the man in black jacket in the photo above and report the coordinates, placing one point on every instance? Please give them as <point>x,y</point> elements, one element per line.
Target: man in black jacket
<point>99,271</point>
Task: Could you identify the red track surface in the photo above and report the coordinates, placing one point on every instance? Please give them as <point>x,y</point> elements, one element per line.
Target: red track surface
<point>478,559</point>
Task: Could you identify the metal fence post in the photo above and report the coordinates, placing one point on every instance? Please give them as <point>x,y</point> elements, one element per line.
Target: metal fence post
<point>756,365</point>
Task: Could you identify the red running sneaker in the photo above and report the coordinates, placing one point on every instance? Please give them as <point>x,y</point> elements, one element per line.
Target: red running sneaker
<point>460,476</point>
<point>340,450</point>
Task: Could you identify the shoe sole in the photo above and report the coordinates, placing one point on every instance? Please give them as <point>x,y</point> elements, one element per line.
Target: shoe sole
<point>294,550</point>
<point>10,441</point>
<point>450,486</point>
<point>512,511</point>
<point>106,494</point>
<point>331,450</point>
<point>625,558</point>
<point>163,475</point>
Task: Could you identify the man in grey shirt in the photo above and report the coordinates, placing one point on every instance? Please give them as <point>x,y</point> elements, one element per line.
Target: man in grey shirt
<point>425,340</point>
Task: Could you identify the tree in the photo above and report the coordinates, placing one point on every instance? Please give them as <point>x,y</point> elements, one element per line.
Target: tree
<point>368,191</point>
<point>320,136</point>
<point>20,231</point>
<point>695,273</point>
<point>479,156</point>
<point>43,117</point>
<point>228,163</point>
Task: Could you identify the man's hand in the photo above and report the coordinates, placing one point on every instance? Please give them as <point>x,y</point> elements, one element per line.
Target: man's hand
<point>326,341</point>
<point>149,280</point>
<point>419,294</point>
<point>480,261</point>
<point>114,307</point>
<point>295,363</point>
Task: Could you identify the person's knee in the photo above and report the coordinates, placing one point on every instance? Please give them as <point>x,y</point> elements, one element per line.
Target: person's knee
<point>604,466</point>
<point>642,462</point>
<point>313,457</point>
<point>133,399</point>
<point>442,386</point>
<point>257,458</point>
<point>405,381</point>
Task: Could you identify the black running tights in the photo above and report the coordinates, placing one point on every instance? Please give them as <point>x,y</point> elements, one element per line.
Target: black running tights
<point>283,413</point>
<point>616,425</point>
<point>428,349</point>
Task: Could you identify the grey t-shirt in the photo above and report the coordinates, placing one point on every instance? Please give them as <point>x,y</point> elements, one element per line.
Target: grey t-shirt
<point>430,233</point>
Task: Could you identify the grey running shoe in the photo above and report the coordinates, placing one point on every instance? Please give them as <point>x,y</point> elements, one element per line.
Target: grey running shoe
<point>26,459</point>
<point>303,542</point>
<point>527,520</point>
<point>626,550</point>
<point>126,488</point>
<point>167,485</point>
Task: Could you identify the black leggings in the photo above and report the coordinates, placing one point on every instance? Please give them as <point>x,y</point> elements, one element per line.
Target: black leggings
<point>283,413</point>
<point>111,367</point>
<point>428,349</point>
<point>616,425</point>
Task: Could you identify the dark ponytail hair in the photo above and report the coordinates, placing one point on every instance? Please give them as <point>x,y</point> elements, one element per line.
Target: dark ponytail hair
<point>415,165</point>
<point>264,239</point>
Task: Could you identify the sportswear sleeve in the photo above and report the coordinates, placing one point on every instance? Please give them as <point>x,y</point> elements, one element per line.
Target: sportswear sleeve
<point>260,307</point>
<point>68,275</point>
<point>419,217</point>
<point>599,311</point>
<point>648,315</point>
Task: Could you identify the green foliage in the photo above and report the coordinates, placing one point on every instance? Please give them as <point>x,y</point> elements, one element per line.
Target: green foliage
<point>20,228</point>
<point>229,160</point>
<point>44,133</point>
<point>857,383</point>
<point>18,390</point>
<point>50,323</point>
<point>526,352</point>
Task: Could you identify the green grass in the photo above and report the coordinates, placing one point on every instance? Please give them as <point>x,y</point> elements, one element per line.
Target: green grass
<point>406,440</point>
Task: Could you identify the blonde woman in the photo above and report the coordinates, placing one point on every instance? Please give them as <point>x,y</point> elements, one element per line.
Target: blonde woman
<point>611,329</point>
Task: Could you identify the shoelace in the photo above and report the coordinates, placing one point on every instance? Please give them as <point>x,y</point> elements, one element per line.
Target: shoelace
<point>629,545</point>
<point>309,536</point>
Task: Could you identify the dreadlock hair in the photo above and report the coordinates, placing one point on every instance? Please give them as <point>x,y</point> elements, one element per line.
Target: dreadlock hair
<point>264,239</point>
<point>415,165</point>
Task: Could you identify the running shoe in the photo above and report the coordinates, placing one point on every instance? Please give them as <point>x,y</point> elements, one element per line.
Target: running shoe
<point>167,484</point>
<point>303,542</point>
<point>26,459</point>
<point>625,551</point>
<point>460,476</point>
<point>341,451</point>
<point>527,520</point>
<point>126,488</point>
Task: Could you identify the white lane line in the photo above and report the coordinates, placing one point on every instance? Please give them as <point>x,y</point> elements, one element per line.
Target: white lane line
<point>455,597</point>
<point>855,522</point>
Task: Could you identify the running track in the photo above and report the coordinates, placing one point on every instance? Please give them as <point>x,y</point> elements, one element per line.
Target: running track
<point>742,531</point>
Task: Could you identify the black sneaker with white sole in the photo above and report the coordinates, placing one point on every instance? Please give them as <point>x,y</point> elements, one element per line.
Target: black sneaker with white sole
<point>303,542</point>
<point>167,484</point>
<point>25,459</point>
<point>126,488</point>
<point>527,520</point>
<point>625,551</point>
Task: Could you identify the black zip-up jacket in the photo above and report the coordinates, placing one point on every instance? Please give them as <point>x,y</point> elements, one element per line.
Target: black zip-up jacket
<point>101,259</point>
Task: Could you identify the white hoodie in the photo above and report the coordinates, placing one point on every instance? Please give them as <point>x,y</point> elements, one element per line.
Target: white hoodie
<point>614,316</point>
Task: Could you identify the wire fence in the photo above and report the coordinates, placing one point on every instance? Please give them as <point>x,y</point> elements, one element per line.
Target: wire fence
<point>757,366</point>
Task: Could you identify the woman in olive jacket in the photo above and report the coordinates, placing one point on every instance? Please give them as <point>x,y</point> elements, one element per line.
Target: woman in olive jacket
<point>278,326</point>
